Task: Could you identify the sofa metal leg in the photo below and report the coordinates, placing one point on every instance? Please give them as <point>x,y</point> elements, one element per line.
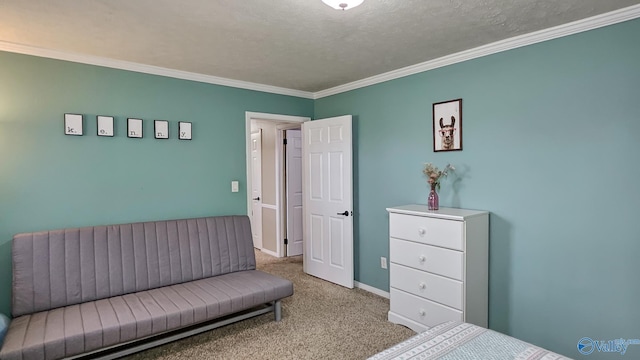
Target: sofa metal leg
<point>278,310</point>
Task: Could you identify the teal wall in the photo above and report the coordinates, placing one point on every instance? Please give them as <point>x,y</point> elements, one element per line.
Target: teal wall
<point>50,181</point>
<point>551,136</point>
<point>551,140</point>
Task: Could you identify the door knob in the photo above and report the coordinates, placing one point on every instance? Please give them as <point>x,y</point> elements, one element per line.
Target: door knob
<point>345,213</point>
<point>257,199</point>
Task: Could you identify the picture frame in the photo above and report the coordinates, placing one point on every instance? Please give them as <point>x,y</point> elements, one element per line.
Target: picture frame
<point>73,124</point>
<point>447,125</point>
<point>105,125</point>
<point>161,129</point>
<point>184,130</point>
<point>134,128</point>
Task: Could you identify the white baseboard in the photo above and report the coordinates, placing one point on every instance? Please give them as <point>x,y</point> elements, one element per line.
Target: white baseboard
<point>269,252</point>
<point>371,289</point>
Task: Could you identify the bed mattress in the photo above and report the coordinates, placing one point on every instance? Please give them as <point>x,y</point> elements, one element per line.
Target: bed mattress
<point>463,341</point>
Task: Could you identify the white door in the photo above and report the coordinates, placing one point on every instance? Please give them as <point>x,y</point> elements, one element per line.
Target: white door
<point>327,202</point>
<point>294,192</point>
<point>256,188</point>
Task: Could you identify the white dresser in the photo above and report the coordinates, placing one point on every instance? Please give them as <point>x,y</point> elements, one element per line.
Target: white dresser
<point>438,266</point>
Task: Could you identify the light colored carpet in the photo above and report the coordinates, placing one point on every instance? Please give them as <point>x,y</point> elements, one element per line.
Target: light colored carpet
<point>320,321</point>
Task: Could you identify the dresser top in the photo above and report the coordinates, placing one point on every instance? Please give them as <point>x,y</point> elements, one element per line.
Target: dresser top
<point>442,213</point>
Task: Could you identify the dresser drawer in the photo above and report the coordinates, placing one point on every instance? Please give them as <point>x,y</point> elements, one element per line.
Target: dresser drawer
<point>433,287</point>
<point>421,310</point>
<point>434,259</point>
<point>439,232</point>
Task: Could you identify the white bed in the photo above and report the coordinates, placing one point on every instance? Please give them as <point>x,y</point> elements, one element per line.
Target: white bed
<point>462,341</point>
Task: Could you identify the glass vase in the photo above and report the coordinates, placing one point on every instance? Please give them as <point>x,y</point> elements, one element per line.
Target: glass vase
<point>432,201</point>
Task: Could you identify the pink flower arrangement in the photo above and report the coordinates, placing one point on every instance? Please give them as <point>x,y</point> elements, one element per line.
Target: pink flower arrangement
<point>434,174</point>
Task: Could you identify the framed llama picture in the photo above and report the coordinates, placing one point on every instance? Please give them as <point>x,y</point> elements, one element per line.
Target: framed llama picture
<point>447,125</point>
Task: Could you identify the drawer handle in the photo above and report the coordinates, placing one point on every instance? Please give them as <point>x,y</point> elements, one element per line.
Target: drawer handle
<point>422,231</point>
<point>423,286</point>
<point>422,258</point>
<point>422,312</point>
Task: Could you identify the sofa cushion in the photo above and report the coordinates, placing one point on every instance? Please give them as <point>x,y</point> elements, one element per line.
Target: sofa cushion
<point>64,267</point>
<point>85,327</point>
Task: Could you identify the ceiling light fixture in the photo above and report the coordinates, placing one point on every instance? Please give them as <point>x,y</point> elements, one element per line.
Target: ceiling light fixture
<point>343,4</point>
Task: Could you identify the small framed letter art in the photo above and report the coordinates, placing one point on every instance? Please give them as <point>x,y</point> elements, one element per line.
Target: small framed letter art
<point>105,125</point>
<point>73,124</point>
<point>447,125</point>
<point>161,129</point>
<point>184,130</point>
<point>134,128</point>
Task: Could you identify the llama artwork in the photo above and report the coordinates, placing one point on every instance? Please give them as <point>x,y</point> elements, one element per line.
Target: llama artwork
<point>447,125</point>
<point>446,133</point>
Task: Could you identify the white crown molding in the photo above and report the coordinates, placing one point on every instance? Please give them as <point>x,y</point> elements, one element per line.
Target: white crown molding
<point>148,69</point>
<point>598,21</point>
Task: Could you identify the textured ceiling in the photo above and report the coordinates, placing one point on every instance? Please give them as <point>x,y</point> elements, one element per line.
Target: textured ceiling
<point>296,44</point>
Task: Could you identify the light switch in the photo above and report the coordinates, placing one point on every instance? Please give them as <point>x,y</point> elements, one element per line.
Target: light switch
<point>234,186</point>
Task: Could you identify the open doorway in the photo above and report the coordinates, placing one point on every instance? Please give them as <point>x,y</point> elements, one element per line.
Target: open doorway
<point>272,194</point>
<point>326,190</point>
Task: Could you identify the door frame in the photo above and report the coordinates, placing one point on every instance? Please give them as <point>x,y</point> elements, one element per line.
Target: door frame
<point>281,215</point>
<point>286,120</point>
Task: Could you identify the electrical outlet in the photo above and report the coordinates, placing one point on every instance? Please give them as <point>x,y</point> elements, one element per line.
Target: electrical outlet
<point>383,262</point>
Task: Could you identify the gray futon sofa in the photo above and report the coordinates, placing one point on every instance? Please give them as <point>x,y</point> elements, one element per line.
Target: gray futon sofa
<point>107,291</point>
